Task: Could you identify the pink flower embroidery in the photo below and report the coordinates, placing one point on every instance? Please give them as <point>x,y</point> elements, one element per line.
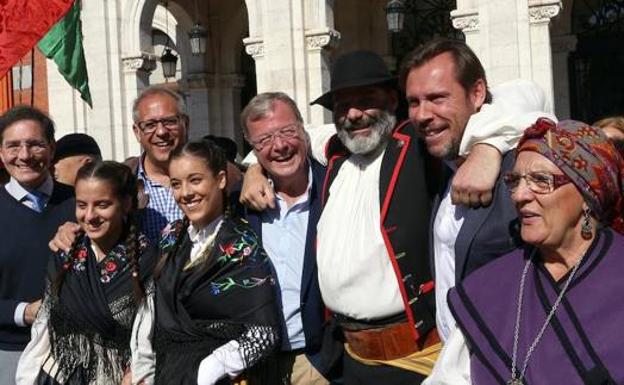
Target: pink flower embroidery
<point>110,266</point>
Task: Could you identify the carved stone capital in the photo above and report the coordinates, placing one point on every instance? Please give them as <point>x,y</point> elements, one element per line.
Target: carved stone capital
<point>543,11</point>
<point>322,38</point>
<point>465,20</point>
<point>145,62</point>
<point>254,46</point>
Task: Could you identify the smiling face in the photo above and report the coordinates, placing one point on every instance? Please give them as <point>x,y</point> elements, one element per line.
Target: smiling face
<point>99,212</point>
<point>285,157</point>
<point>547,220</point>
<point>196,189</point>
<point>26,153</point>
<point>439,107</point>
<point>159,143</point>
<point>364,117</point>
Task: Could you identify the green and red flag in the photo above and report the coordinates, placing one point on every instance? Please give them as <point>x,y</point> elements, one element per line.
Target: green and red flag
<point>23,23</point>
<point>63,44</point>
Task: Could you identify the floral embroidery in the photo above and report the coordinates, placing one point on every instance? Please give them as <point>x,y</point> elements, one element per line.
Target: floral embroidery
<point>110,266</point>
<point>236,251</point>
<point>244,248</point>
<point>247,283</point>
<point>169,235</point>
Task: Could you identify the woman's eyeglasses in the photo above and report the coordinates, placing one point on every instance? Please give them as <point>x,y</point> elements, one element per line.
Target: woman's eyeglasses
<point>538,182</point>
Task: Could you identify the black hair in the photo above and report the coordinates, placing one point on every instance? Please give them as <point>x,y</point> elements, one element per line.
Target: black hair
<point>214,158</point>
<point>226,144</point>
<point>19,113</point>
<point>124,185</point>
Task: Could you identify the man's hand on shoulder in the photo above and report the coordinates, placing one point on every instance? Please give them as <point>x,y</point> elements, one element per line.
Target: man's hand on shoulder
<point>64,237</point>
<point>257,192</point>
<point>474,180</point>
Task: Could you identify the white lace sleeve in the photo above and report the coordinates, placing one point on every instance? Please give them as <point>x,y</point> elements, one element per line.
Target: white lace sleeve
<point>143,363</point>
<point>37,350</point>
<point>236,355</point>
<point>453,365</point>
<point>516,105</point>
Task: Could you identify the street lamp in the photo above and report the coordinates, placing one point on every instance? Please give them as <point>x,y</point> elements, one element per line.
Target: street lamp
<point>169,63</point>
<point>395,15</point>
<point>168,60</point>
<point>197,36</point>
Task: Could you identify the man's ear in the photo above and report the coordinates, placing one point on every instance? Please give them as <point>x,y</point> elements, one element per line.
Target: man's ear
<point>478,93</point>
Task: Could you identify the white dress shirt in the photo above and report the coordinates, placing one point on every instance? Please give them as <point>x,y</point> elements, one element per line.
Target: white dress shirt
<point>446,226</point>
<point>356,276</point>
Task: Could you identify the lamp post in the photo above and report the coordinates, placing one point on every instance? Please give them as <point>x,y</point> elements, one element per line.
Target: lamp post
<point>395,15</point>
<point>198,36</point>
<point>169,63</point>
<point>414,22</point>
<point>168,60</point>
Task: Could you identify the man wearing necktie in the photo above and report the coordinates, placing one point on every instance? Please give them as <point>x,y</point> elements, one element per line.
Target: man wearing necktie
<point>32,207</point>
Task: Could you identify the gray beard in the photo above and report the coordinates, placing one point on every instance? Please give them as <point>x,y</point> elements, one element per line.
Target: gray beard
<point>364,145</point>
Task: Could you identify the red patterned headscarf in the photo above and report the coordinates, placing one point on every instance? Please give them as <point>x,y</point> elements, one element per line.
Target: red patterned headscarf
<point>588,158</point>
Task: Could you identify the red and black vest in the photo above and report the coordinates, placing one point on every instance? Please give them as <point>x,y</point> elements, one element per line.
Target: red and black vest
<point>406,182</point>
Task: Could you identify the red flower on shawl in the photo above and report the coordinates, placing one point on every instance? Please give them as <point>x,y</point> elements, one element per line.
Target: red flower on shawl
<point>81,255</point>
<point>110,266</point>
<point>228,249</point>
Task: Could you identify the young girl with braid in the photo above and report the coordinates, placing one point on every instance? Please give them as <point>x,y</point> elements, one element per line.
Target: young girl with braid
<point>82,331</point>
<point>213,313</point>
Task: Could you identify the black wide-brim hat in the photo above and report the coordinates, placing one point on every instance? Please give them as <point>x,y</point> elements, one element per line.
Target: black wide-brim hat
<point>356,69</point>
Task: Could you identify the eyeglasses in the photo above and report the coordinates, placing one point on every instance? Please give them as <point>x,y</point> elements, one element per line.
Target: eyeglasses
<point>171,123</point>
<point>287,132</point>
<point>35,147</point>
<point>538,182</point>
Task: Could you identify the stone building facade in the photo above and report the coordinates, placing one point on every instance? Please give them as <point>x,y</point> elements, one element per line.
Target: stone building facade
<point>286,45</point>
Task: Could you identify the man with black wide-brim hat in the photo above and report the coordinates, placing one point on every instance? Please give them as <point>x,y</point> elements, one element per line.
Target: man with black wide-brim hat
<point>377,284</point>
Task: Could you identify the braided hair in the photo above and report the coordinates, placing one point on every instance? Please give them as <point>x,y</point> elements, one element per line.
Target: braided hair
<point>123,183</point>
<point>215,160</point>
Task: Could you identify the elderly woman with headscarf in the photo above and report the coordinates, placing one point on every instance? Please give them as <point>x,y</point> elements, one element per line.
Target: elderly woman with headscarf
<point>546,314</point>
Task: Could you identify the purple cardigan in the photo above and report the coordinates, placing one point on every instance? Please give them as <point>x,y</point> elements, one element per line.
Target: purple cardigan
<point>581,345</point>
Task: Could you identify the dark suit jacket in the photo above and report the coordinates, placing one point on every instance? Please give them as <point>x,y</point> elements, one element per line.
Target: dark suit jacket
<point>488,232</point>
<point>312,307</point>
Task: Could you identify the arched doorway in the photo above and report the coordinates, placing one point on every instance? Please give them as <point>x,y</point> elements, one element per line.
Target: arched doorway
<point>596,76</point>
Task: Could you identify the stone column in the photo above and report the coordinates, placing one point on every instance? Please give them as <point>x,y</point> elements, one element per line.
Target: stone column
<point>467,21</point>
<point>136,72</point>
<point>288,41</point>
<point>318,43</point>
<point>510,37</point>
<point>540,13</point>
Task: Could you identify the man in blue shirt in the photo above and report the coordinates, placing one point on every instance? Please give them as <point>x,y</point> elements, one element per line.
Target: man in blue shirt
<point>273,126</point>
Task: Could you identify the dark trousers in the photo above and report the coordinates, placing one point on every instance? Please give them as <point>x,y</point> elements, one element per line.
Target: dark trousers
<point>356,373</point>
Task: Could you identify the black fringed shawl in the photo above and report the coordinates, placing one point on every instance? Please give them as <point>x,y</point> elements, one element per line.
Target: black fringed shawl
<point>90,321</point>
<point>229,296</point>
